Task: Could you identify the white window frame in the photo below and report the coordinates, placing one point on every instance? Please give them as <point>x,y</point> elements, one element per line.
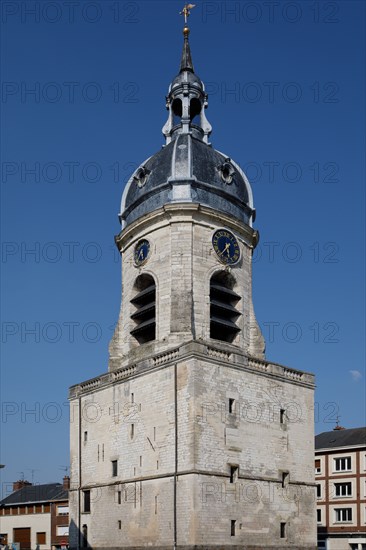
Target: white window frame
<point>338,460</point>
<point>62,510</point>
<point>344,484</point>
<point>318,486</point>
<point>343,512</point>
<point>318,470</point>
<point>319,520</point>
<point>62,530</point>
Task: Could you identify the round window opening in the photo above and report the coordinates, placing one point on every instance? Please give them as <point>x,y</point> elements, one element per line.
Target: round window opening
<point>141,176</point>
<point>227,173</point>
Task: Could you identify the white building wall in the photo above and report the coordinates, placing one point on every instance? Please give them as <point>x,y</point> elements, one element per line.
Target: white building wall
<point>36,522</point>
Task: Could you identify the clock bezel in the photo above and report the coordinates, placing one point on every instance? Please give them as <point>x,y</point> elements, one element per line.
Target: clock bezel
<point>138,244</point>
<point>234,241</point>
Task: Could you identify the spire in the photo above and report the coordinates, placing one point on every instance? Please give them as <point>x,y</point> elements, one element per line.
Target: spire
<point>186,61</point>
<point>187,99</point>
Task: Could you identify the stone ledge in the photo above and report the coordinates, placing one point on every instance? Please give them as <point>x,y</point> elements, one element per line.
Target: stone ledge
<point>217,353</point>
<point>205,547</point>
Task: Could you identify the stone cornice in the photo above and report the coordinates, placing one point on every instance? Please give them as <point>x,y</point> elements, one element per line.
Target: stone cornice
<point>216,353</point>
<point>192,471</point>
<point>184,212</point>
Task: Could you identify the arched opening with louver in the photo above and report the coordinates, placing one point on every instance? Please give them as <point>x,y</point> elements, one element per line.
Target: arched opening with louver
<point>223,312</point>
<point>144,315</point>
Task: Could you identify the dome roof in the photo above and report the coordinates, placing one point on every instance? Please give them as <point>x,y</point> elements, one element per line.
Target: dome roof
<point>188,170</point>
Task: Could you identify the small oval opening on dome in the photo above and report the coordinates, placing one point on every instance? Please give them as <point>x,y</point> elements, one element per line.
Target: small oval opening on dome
<point>141,176</point>
<point>195,108</point>
<point>227,172</point>
<point>177,108</point>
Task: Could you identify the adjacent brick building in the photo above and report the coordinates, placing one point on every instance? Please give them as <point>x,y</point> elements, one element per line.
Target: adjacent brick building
<point>340,472</point>
<point>36,515</point>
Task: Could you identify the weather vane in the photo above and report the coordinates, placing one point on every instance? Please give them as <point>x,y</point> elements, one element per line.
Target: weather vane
<point>186,11</point>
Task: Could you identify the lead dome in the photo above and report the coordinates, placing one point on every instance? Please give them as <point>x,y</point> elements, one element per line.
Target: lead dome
<point>187,168</point>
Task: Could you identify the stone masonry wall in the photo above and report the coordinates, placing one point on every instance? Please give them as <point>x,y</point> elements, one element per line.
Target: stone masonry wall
<point>136,508</point>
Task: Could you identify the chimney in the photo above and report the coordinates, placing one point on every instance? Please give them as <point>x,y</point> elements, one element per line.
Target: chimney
<point>20,484</point>
<point>66,483</point>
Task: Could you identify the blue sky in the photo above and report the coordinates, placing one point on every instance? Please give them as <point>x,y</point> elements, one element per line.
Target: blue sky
<point>286,101</point>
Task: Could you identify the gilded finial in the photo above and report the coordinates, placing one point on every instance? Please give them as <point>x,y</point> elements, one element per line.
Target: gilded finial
<point>186,61</point>
<point>186,11</point>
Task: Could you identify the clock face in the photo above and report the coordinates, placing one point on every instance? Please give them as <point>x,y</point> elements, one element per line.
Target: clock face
<point>142,251</point>
<point>226,247</point>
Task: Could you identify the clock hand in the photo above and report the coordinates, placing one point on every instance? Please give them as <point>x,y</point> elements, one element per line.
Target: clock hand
<point>224,249</point>
<point>141,254</point>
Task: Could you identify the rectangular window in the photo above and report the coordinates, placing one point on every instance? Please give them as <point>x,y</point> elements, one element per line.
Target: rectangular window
<point>285,478</point>
<point>343,489</point>
<point>114,468</point>
<point>62,530</point>
<point>318,491</point>
<point>231,406</point>
<point>319,516</point>
<point>86,501</point>
<point>4,539</point>
<point>234,472</point>
<point>317,466</point>
<point>343,515</point>
<point>62,510</point>
<point>119,497</point>
<point>41,538</point>
<point>156,505</point>
<point>342,464</point>
<point>282,416</point>
<point>233,524</point>
<point>85,437</point>
<point>132,430</point>
<point>119,524</point>
<point>283,530</point>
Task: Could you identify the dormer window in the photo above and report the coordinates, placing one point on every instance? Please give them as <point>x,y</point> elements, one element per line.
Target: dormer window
<point>144,315</point>
<point>141,176</point>
<point>227,172</point>
<point>223,312</point>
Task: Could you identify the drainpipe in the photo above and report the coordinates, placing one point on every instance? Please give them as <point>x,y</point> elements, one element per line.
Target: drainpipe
<point>176,455</point>
<point>79,489</point>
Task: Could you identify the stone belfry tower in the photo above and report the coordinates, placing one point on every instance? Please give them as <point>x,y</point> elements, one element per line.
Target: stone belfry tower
<point>192,439</point>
